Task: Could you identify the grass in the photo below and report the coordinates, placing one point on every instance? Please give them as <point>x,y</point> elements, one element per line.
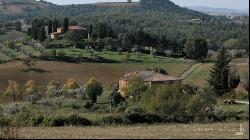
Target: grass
<point>31,50</point>
<point>12,35</point>
<point>198,76</point>
<point>121,58</point>
<point>161,131</point>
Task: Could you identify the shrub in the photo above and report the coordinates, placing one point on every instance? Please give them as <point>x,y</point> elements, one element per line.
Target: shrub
<point>201,104</point>
<point>165,99</point>
<point>115,96</point>
<point>77,121</point>
<point>53,121</point>
<point>57,121</point>
<point>88,104</point>
<point>36,120</point>
<point>177,118</point>
<point>229,95</point>
<point>111,120</point>
<point>53,89</point>
<point>143,118</point>
<point>128,119</point>
<point>220,114</point>
<point>134,109</point>
<point>14,109</point>
<point>241,95</point>
<point>93,89</point>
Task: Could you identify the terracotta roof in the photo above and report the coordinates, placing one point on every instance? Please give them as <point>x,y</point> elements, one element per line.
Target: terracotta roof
<point>149,76</point>
<point>55,33</point>
<point>76,28</point>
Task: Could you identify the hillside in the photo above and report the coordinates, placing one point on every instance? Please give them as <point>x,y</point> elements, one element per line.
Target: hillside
<point>157,17</point>
<point>16,9</point>
<point>32,8</point>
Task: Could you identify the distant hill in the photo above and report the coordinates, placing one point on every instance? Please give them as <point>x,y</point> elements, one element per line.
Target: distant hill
<point>19,6</point>
<point>156,17</point>
<point>210,10</point>
<point>31,8</point>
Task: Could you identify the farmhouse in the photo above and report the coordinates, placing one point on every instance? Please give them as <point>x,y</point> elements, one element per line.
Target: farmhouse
<point>149,77</point>
<point>59,32</point>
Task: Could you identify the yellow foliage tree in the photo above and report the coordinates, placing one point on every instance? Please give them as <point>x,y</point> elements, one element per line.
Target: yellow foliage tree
<point>52,87</point>
<point>31,87</point>
<point>71,84</point>
<point>14,90</point>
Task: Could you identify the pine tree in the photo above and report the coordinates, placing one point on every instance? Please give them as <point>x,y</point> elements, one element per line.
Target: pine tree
<point>219,74</point>
<point>65,25</point>
<point>49,27</point>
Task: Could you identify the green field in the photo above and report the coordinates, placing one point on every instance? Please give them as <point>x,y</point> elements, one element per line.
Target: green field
<point>199,75</point>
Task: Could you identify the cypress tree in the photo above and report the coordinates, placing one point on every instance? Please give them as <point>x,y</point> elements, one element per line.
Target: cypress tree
<point>42,34</point>
<point>29,31</point>
<point>65,25</point>
<point>49,27</point>
<point>55,25</point>
<point>35,32</point>
<point>219,74</point>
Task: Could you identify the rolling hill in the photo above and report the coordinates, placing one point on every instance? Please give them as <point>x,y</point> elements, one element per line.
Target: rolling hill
<point>14,9</point>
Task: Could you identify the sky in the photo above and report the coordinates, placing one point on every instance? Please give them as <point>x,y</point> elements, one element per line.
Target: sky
<point>232,4</point>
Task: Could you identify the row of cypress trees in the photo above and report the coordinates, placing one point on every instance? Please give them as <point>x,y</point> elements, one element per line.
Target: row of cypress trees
<point>37,29</point>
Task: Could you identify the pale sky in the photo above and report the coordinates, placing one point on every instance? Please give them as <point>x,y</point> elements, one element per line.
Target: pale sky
<point>233,4</point>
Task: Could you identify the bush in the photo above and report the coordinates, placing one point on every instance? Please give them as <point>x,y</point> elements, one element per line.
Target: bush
<point>177,118</point>
<point>134,109</point>
<point>77,121</point>
<point>241,95</point>
<point>36,120</point>
<point>143,118</point>
<point>14,109</point>
<point>219,114</point>
<point>57,121</point>
<point>128,119</point>
<point>111,120</point>
<point>88,104</point>
<point>53,121</point>
<point>229,95</point>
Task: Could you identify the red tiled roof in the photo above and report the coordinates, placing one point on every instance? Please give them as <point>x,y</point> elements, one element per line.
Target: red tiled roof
<point>55,33</point>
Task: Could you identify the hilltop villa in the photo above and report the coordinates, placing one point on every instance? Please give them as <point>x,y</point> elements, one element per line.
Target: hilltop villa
<point>59,32</point>
<point>149,77</point>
